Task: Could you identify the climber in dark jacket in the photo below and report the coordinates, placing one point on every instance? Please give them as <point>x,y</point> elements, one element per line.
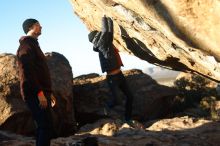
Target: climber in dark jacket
<point>111,63</point>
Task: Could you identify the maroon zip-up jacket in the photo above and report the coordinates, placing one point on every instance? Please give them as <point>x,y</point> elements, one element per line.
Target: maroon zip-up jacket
<point>33,70</point>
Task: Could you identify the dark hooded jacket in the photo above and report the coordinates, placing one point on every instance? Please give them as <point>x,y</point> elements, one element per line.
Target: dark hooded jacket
<point>33,70</point>
<point>108,54</point>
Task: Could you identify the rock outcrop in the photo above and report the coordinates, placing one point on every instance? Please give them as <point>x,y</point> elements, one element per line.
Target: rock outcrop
<point>12,108</point>
<point>151,100</point>
<point>90,91</point>
<point>15,116</point>
<point>181,131</point>
<point>179,35</point>
<point>62,76</point>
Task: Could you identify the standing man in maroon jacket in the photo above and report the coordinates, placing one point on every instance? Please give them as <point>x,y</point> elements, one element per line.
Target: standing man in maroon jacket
<point>35,81</point>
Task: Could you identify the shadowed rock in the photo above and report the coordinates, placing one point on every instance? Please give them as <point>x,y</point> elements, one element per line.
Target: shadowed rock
<point>151,100</point>
<point>15,116</point>
<point>177,131</point>
<point>179,35</point>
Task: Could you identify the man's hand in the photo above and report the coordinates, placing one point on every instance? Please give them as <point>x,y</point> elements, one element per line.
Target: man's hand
<point>53,100</point>
<point>42,99</point>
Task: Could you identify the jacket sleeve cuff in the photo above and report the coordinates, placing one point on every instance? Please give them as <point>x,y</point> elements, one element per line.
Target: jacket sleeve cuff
<point>40,93</point>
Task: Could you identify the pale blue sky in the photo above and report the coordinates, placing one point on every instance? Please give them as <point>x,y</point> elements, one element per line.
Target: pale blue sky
<point>62,31</point>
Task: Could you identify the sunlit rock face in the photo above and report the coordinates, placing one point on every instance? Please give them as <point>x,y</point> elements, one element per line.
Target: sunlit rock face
<point>14,114</point>
<point>180,131</point>
<point>180,35</point>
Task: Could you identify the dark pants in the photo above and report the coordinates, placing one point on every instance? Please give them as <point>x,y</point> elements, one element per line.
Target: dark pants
<point>43,119</point>
<point>118,81</point>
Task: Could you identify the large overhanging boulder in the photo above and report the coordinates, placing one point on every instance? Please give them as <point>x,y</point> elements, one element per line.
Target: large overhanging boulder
<point>177,34</point>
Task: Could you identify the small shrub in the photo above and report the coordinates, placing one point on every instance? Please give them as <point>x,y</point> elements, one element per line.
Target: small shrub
<point>195,92</point>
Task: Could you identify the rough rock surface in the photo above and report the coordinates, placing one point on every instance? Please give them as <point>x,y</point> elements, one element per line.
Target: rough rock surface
<point>181,131</point>
<point>191,79</point>
<point>62,76</point>
<point>15,116</point>
<point>151,100</point>
<point>180,35</point>
<point>12,108</point>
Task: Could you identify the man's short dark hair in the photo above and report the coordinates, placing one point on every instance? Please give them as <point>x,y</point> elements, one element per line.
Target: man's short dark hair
<point>27,24</point>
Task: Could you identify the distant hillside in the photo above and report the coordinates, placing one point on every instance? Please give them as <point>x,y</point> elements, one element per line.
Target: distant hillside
<point>159,73</point>
<point>162,75</point>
